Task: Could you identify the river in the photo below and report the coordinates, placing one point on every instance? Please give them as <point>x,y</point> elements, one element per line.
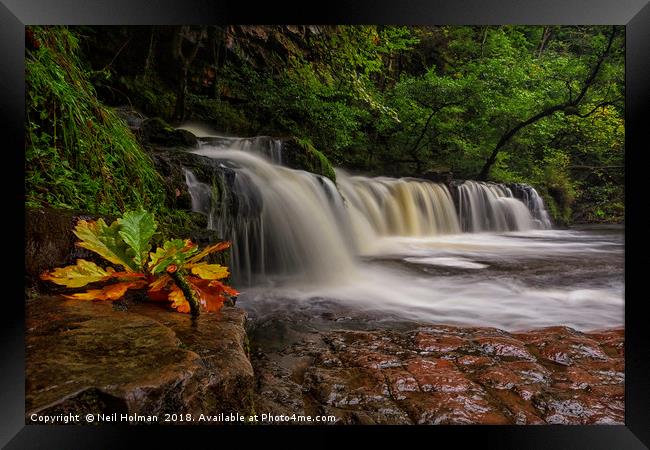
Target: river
<point>383,252</point>
<point>513,281</point>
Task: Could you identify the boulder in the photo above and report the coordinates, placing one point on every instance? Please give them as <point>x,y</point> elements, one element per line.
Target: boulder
<point>140,359</point>
<point>49,241</point>
<point>301,154</point>
<point>157,132</point>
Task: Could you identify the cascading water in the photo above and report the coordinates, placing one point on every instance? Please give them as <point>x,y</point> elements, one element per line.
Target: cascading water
<point>396,207</point>
<point>529,196</point>
<point>266,146</point>
<point>493,207</point>
<point>280,221</point>
<point>294,223</point>
<point>399,249</point>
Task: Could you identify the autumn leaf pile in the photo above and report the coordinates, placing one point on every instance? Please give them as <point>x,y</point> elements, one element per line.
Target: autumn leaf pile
<point>171,272</point>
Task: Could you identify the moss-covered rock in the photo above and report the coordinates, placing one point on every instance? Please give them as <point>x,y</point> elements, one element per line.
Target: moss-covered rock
<point>301,154</point>
<point>158,132</point>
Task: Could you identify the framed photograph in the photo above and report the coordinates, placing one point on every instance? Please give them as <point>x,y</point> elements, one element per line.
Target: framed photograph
<point>417,218</point>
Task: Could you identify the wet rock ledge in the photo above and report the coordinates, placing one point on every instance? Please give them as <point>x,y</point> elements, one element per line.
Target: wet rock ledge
<point>138,358</point>
<point>447,375</point>
<point>98,357</point>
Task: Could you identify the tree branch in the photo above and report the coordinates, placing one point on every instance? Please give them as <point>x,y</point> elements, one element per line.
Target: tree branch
<point>570,106</point>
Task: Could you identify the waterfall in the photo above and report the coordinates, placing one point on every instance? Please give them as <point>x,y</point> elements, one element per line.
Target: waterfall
<point>492,207</point>
<point>266,146</point>
<point>280,221</point>
<point>291,223</point>
<point>397,207</point>
<point>534,202</point>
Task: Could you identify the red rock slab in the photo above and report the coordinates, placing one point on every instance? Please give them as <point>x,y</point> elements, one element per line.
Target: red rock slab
<point>370,359</point>
<point>612,341</point>
<point>529,372</point>
<point>453,408</point>
<point>529,392</point>
<point>542,334</point>
<point>521,411</point>
<point>503,347</point>
<point>439,375</point>
<point>498,378</point>
<point>141,359</point>
<point>575,378</point>
<point>400,382</point>
<point>566,350</point>
<point>473,362</point>
<point>607,372</point>
<point>579,407</point>
<point>427,342</point>
<point>346,388</point>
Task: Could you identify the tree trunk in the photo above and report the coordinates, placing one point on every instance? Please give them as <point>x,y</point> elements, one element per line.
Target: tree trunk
<point>545,37</point>
<point>148,62</point>
<point>196,37</point>
<point>181,95</point>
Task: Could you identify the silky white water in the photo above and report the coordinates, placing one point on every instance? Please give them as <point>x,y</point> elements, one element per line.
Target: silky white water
<point>405,248</point>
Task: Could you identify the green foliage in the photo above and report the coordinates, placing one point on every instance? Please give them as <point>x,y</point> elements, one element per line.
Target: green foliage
<point>150,94</point>
<point>175,251</point>
<point>136,230</point>
<point>557,188</point>
<point>381,99</point>
<point>79,154</point>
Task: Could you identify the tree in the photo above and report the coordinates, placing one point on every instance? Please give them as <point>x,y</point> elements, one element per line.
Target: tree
<point>195,37</point>
<point>570,106</point>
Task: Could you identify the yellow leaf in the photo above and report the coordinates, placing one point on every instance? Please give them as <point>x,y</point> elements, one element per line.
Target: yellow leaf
<point>178,300</point>
<point>112,292</point>
<point>160,283</point>
<point>206,251</point>
<point>210,271</point>
<point>81,274</point>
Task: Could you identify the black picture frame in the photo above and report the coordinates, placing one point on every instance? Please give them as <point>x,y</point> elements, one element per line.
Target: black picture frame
<point>634,14</point>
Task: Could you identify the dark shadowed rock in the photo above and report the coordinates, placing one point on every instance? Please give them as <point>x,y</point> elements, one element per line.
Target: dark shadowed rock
<point>141,359</point>
<point>157,132</point>
<point>49,241</point>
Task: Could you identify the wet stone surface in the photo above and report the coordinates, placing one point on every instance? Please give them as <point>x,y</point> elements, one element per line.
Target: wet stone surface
<point>96,357</point>
<point>445,375</point>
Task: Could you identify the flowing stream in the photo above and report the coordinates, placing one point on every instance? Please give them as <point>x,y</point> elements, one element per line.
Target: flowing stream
<point>386,250</point>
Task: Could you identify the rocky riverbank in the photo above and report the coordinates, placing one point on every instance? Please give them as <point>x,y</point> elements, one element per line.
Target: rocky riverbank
<point>448,375</point>
<point>142,359</point>
<point>98,357</point>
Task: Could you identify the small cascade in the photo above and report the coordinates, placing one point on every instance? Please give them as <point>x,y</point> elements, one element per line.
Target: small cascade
<point>398,207</point>
<point>533,201</point>
<point>267,146</point>
<point>493,207</point>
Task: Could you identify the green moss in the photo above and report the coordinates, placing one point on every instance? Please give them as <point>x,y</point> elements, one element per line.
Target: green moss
<point>312,160</point>
<point>79,154</point>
